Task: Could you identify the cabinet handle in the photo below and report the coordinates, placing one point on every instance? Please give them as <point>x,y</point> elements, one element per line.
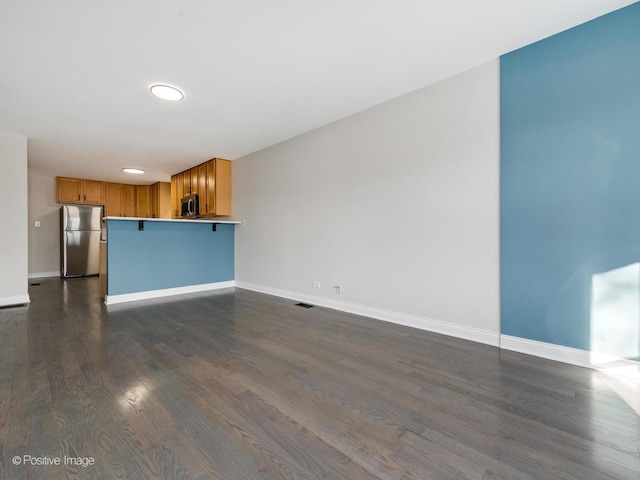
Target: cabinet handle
<point>85,198</point>
<point>78,196</point>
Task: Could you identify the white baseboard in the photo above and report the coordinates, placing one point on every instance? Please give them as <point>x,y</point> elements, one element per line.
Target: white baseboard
<point>549,351</point>
<point>44,274</point>
<point>165,292</point>
<point>573,356</point>
<point>14,300</point>
<point>422,323</point>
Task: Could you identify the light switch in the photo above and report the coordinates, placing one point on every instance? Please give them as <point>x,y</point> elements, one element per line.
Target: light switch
<point>37,223</point>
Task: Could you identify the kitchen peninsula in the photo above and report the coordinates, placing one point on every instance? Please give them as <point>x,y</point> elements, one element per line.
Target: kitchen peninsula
<point>156,257</point>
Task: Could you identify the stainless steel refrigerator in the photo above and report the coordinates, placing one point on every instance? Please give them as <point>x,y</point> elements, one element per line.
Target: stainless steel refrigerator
<point>81,227</point>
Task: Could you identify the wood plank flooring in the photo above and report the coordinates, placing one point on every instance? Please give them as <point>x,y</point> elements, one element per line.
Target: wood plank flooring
<point>236,385</point>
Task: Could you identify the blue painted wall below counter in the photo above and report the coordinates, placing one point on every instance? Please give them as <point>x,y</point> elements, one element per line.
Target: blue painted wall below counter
<point>570,187</point>
<point>167,255</point>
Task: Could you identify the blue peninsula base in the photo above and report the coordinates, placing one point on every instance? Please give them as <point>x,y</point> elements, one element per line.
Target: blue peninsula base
<point>150,258</point>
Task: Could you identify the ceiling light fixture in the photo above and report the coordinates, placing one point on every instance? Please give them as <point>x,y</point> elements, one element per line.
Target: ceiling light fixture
<point>166,92</point>
<point>137,171</point>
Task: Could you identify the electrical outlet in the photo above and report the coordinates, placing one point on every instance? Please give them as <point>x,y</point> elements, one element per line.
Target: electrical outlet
<point>37,223</point>
<point>338,288</point>
<point>315,284</point>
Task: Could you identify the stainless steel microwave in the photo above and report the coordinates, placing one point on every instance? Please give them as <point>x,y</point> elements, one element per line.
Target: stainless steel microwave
<point>190,206</point>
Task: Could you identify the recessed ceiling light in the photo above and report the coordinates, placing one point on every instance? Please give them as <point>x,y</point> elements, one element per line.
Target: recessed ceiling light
<point>137,171</point>
<point>166,92</point>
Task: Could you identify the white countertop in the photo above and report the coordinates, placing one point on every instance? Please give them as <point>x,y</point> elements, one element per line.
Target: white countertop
<point>174,220</point>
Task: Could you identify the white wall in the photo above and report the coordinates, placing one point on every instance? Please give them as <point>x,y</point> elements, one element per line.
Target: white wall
<point>13,240</point>
<point>399,204</point>
<point>44,241</point>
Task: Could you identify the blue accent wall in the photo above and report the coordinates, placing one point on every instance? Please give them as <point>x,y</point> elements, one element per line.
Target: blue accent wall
<point>570,175</point>
<point>167,255</point>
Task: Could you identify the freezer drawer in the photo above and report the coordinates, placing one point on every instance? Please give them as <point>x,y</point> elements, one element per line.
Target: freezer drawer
<point>80,253</point>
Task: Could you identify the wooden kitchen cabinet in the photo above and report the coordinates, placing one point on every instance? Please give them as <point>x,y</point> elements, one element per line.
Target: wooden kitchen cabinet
<point>143,201</point>
<point>186,183</point>
<point>202,187</point>
<point>119,199</point>
<point>160,200</point>
<point>217,200</point>
<point>77,190</point>
<point>164,200</point>
<point>153,201</point>
<point>113,199</point>
<point>93,192</point>
<point>193,186</point>
<point>190,181</point>
<point>178,192</point>
<point>175,199</point>
<point>128,200</point>
<point>208,202</point>
<point>211,180</point>
<point>69,190</point>
<point>222,187</point>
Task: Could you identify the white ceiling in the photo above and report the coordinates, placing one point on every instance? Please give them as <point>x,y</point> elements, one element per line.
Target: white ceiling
<point>74,75</point>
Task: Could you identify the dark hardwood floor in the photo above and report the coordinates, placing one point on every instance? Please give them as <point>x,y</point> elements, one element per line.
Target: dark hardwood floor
<point>238,385</point>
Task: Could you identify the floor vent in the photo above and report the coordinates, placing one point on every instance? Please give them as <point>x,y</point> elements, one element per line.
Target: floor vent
<point>304,305</point>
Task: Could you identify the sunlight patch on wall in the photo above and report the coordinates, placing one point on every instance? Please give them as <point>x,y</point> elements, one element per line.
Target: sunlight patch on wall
<point>615,312</point>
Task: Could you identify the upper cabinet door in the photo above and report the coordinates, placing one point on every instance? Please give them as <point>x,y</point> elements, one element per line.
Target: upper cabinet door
<point>128,200</point>
<point>113,200</point>
<point>223,186</point>
<point>202,188</point>
<point>164,200</point>
<point>142,201</point>
<point>93,192</point>
<point>186,186</point>
<point>182,188</point>
<point>160,201</point>
<point>175,198</point>
<point>153,201</point>
<point>194,180</point>
<point>69,190</point>
<point>211,187</point>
